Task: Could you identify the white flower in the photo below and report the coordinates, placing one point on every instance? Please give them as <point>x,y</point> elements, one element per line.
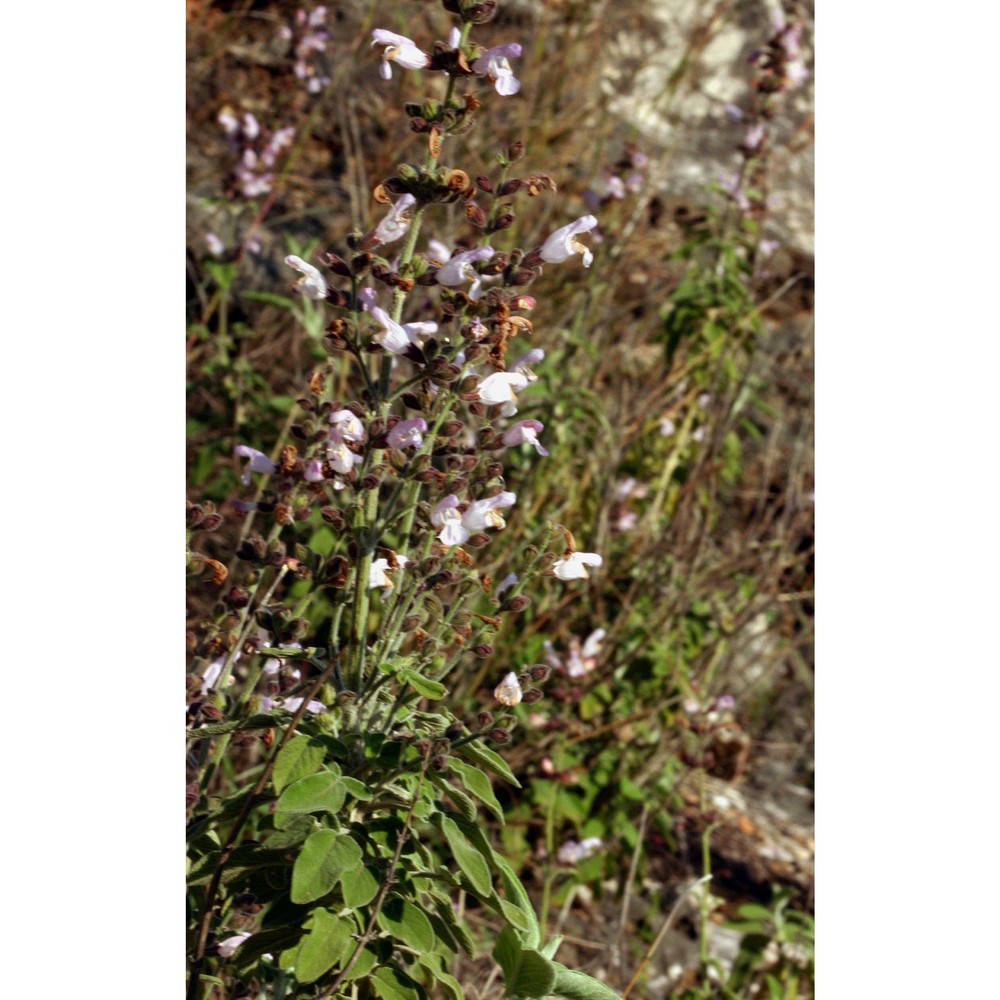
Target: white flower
<point>572,853</point>
<point>227,947</point>
<point>561,245</point>
<point>493,63</point>
<point>381,568</point>
<point>341,457</point>
<point>508,691</point>
<point>398,49</point>
<point>259,462</point>
<point>499,387</point>
<point>397,221</point>
<point>396,338</point>
<point>459,270</point>
<point>457,528</point>
<point>312,284</point>
<point>573,566</point>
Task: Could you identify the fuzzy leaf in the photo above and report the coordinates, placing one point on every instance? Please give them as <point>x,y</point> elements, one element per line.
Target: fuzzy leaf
<point>579,986</point>
<point>479,784</point>
<point>393,984</point>
<point>526,972</point>
<point>298,758</point>
<point>323,946</point>
<point>422,685</point>
<point>356,788</point>
<point>321,792</point>
<point>360,888</point>
<point>468,859</point>
<point>324,858</point>
<point>406,923</point>
<point>489,759</point>
<point>517,894</point>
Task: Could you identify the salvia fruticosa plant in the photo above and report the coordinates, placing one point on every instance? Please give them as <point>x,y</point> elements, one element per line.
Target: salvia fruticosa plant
<point>335,838</point>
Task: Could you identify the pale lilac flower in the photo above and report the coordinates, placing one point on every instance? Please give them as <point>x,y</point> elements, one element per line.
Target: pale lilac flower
<point>626,521</point>
<point>733,111</point>
<point>525,362</point>
<point>251,127</point>
<point>398,49</point>
<point>500,387</point>
<point>397,221</point>
<point>699,433</point>
<point>525,431</point>
<point>493,63</point>
<point>215,246</point>
<point>396,338</point>
<point>407,433</point>
<point>446,517</point>
<point>562,244</point>
<point>312,284</point>
<point>667,426</point>
<point>574,566</point>
<point>505,584</point>
<point>724,702</point>
<point>314,471</point>
<point>292,705</point>
<point>508,692</point>
<point>211,675</point>
<point>340,457</point>
<point>459,270</point>
<point>438,251</point>
<point>572,853</point>
<point>227,947</point>
<point>345,426</point>
<point>485,513</point>
<point>704,399</point>
<point>454,37</point>
<point>753,138</point>
<point>367,296</point>
<point>259,462</point>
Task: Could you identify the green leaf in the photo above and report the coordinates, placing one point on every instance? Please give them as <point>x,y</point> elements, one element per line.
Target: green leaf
<point>514,915</point>
<point>422,685</point>
<point>360,888</point>
<point>323,947</point>
<point>406,923</point>
<point>392,984</point>
<point>580,986</point>
<point>358,789</point>
<point>270,298</point>
<point>517,894</point>
<point>489,759</point>
<point>447,916</point>
<point>468,859</point>
<point>366,961</point>
<point>462,802</point>
<point>324,858</point>
<point>434,964</point>
<point>526,972</point>
<point>479,784</point>
<point>296,759</point>
<point>321,792</point>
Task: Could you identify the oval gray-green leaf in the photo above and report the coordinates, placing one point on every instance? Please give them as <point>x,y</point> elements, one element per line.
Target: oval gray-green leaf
<point>478,784</point>
<point>297,758</point>
<point>323,946</point>
<point>423,685</point>
<point>393,984</point>
<point>359,888</point>
<point>489,759</point>
<point>323,792</point>
<point>406,923</point>
<point>469,860</point>
<point>580,986</point>
<point>325,857</point>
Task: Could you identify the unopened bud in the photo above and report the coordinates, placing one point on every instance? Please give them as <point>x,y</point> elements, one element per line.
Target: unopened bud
<point>500,736</point>
<point>283,514</point>
<point>237,598</point>
<point>484,184</point>
<point>483,649</point>
<point>440,762</point>
<point>522,276</point>
<point>539,672</point>
<point>505,221</point>
<point>210,712</point>
<point>478,540</point>
<point>517,603</point>
<point>410,622</point>
<point>515,150</point>
<point>452,427</point>
<point>531,696</point>
<point>211,521</point>
<point>484,719</point>
<point>424,747</point>
<point>475,215</point>
<point>510,187</point>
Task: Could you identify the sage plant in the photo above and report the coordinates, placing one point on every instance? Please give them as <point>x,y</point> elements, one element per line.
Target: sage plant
<point>335,839</point>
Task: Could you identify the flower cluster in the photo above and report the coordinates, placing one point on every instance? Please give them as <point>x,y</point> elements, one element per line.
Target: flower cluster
<point>253,172</point>
<point>310,44</point>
